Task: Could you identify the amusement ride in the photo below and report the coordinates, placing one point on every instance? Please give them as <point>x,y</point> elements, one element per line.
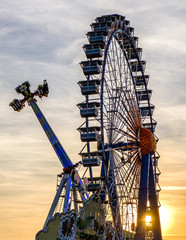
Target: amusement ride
<point>119,187</point>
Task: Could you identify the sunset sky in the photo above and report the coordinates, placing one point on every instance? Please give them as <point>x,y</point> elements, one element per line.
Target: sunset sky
<point>43,39</point>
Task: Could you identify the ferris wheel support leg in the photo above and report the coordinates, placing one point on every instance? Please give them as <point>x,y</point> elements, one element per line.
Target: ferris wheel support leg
<point>142,203</point>
<point>104,169</point>
<point>113,198</point>
<point>156,226</point>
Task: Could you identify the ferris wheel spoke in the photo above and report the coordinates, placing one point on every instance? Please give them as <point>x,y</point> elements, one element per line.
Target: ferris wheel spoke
<point>130,119</point>
<point>130,128</point>
<point>125,110</point>
<point>117,123</point>
<point>123,176</point>
<point>118,66</point>
<point>110,71</point>
<point>128,172</point>
<point>132,170</point>
<point>136,173</point>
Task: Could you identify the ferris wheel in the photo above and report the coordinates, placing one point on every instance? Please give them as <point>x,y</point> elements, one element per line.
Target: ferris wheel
<point>118,125</point>
<point>109,194</point>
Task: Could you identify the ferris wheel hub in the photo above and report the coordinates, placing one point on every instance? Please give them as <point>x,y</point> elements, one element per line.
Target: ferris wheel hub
<point>147,141</point>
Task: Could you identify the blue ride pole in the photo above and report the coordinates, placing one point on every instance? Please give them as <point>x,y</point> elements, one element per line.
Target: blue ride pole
<point>62,155</point>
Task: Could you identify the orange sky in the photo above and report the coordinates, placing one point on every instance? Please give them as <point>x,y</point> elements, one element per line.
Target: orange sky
<point>44,39</point>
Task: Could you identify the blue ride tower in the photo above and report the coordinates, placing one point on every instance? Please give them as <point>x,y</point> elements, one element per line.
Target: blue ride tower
<point>70,175</point>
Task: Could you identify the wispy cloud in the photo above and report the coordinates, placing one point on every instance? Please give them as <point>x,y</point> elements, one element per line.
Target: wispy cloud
<point>174,188</point>
<point>44,39</point>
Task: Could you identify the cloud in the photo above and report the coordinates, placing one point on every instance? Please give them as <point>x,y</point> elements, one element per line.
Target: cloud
<point>43,40</point>
<point>173,188</point>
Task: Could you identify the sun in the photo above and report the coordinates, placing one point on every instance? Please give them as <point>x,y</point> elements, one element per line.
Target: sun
<point>148,220</point>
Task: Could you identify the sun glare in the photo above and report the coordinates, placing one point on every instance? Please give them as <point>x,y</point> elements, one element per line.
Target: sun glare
<point>165,217</point>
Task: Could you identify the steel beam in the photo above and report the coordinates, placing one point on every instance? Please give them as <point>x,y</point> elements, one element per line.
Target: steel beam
<point>113,196</point>
<point>67,193</point>
<point>156,226</point>
<point>55,201</point>
<point>142,200</point>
